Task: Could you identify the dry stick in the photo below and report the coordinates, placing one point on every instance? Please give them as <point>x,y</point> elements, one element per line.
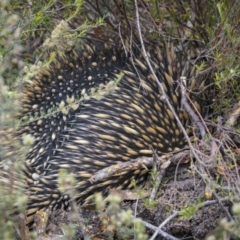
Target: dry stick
<point>20,224</point>
<point>186,105</point>
<point>175,214</point>
<point>160,231</point>
<point>141,162</point>
<point>136,164</point>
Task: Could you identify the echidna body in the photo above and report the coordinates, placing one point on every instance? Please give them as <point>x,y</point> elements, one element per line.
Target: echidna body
<point>96,107</point>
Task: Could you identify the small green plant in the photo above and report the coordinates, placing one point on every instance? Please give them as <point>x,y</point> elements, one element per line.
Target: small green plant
<point>119,221</point>
<point>188,212</point>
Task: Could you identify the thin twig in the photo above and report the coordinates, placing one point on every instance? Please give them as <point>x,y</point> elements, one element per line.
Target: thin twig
<point>160,232</point>
<point>190,111</point>
<point>175,214</point>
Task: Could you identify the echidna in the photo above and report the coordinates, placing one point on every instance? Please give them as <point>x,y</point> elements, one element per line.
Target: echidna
<point>97,106</point>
